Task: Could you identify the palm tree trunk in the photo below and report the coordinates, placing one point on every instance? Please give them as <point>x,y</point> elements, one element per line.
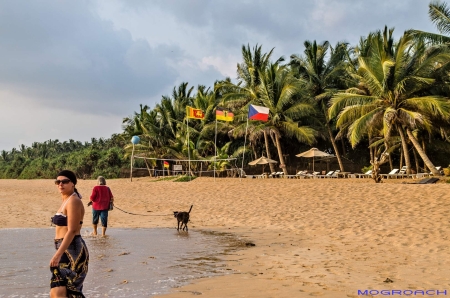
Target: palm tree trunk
<point>333,142</point>
<point>401,158</point>
<point>376,163</point>
<point>405,151</point>
<point>344,152</point>
<point>416,159</point>
<point>422,153</point>
<point>280,155</point>
<point>424,149</point>
<point>266,140</point>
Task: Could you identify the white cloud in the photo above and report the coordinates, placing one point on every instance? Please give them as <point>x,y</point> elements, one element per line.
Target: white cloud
<point>225,65</point>
<point>98,60</point>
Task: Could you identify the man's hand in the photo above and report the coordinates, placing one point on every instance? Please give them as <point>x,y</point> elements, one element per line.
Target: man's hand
<point>90,203</point>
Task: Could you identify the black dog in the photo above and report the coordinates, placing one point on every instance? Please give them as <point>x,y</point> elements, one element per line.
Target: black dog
<point>183,218</point>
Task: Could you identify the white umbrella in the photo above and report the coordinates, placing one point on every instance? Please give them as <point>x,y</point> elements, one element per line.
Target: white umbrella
<point>314,152</point>
<point>262,161</point>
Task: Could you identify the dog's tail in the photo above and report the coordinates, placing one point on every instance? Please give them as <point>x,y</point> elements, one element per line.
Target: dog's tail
<point>190,209</point>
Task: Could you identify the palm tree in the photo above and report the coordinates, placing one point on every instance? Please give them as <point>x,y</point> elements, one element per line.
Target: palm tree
<point>279,91</point>
<point>439,13</point>
<point>246,90</point>
<point>5,155</point>
<point>324,74</point>
<point>396,78</point>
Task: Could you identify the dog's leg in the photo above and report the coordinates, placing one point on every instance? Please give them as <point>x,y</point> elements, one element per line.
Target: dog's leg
<point>178,227</point>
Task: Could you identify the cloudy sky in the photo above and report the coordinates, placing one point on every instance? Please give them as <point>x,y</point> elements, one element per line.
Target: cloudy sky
<point>75,69</point>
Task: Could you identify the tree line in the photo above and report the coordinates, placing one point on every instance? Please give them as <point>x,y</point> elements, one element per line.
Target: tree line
<point>380,101</point>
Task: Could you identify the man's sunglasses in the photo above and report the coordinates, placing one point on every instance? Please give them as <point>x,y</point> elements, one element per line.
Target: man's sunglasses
<point>64,181</point>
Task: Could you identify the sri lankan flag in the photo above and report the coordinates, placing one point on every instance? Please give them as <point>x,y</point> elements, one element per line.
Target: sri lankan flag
<point>166,164</point>
<point>224,115</point>
<point>194,113</point>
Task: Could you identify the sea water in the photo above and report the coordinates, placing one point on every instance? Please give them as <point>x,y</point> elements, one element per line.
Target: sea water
<point>126,263</point>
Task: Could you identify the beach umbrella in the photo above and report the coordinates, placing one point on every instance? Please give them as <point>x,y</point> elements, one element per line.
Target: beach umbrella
<point>262,161</point>
<point>313,153</point>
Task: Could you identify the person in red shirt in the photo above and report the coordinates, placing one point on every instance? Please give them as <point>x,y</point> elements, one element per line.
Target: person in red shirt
<point>100,200</point>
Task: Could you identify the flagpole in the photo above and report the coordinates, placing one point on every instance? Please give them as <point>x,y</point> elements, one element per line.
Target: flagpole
<point>189,149</point>
<point>215,152</point>
<point>132,159</point>
<point>243,154</point>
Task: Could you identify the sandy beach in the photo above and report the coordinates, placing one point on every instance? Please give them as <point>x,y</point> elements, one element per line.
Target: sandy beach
<point>313,237</point>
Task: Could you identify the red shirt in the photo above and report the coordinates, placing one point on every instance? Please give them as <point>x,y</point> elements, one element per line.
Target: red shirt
<point>100,197</point>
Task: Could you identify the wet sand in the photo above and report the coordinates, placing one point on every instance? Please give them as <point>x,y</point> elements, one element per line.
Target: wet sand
<point>318,237</point>
<point>129,262</point>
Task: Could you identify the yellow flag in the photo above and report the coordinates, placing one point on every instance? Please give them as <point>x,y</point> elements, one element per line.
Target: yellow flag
<point>224,115</point>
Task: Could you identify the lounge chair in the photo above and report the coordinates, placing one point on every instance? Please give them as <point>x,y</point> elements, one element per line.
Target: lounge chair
<point>273,174</point>
<point>299,173</point>
<point>327,175</point>
<point>302,174</point>
<point>439,170</point>
<point>402,172</point>
<point>391,174</point>
<point>367,174</point>
<point>335,174</point>
<point>422,175</point>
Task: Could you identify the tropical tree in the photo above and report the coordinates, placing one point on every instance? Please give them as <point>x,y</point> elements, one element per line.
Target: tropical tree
<point>279,91</point>
<point>323,70</point>
<point>439,13</point>
<point>396,78</point>
<point>237,96</point>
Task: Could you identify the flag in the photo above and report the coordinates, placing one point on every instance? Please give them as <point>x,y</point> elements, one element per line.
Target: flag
<point>166,164</point>
<point>258,113</point>
<point>224,115</point>
<point>194,113</point>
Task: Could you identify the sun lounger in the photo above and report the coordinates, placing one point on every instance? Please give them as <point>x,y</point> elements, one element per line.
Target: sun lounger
<point>302,174</point>
<point>327,175</point>
<point>391,174</point>
<point>367,174</point>
<point>402,173</point>
<point>422,175</point>
<point>335,174</point>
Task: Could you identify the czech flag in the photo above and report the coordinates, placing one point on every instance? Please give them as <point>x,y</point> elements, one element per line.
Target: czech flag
<point>166,164</point>
<point>258,113</point>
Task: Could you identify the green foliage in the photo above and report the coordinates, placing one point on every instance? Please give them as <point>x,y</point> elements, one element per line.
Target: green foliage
<point>165,178</point>
<point>185,178</point>
<point>365,169</point>
<point>45,160</point>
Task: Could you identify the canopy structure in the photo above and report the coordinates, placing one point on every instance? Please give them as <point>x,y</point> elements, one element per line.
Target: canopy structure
<point>262,161</point>
<point>313,153</point>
